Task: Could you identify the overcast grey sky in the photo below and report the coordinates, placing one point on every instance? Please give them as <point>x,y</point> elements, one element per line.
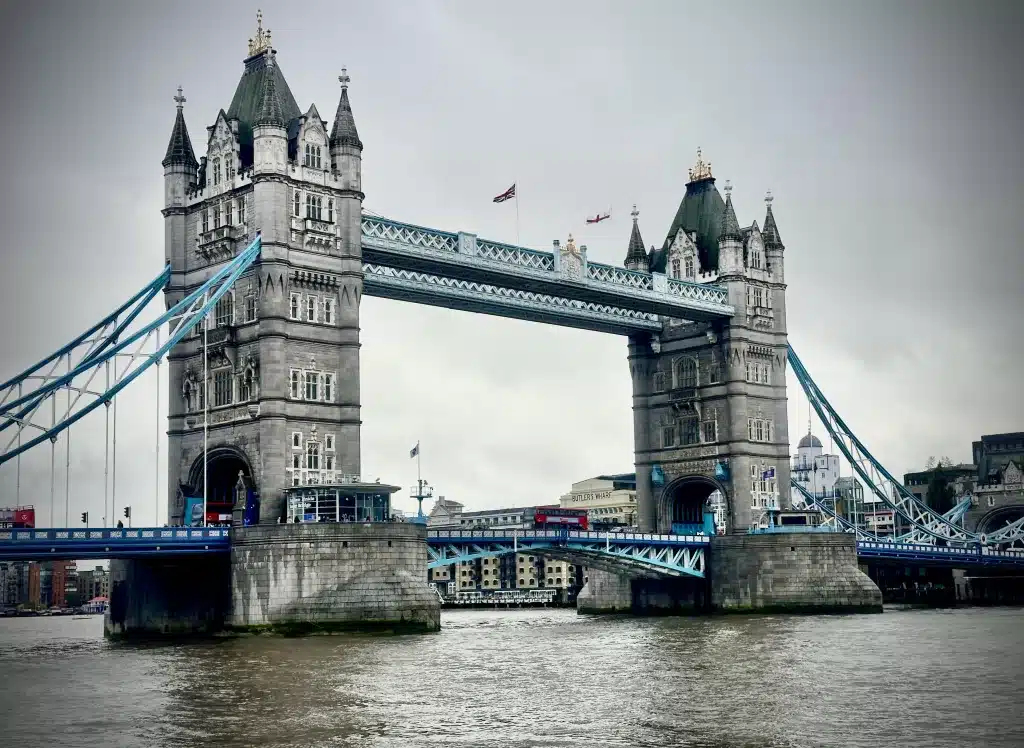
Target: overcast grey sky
<point>888,132</point>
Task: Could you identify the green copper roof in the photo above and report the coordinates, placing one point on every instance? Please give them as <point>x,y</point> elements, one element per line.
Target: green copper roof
<point>248,101</point>
<point>700,211</point>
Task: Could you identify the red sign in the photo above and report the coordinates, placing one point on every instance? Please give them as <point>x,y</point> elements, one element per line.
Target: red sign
<point>25,516</point>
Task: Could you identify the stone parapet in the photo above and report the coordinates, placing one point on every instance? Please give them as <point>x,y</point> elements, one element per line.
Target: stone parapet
<point>790,572</point>
<point>321,578</point>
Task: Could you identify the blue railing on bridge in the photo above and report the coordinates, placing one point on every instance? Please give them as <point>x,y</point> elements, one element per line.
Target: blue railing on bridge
<point>453,536</point>
<point>100,543</point>
<point>976,555</point>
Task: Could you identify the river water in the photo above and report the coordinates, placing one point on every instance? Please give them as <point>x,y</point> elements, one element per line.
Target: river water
<point>531,678</point>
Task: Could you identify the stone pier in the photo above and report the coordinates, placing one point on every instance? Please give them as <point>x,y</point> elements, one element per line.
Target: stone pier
<point>799,572</point>
<point>329,577</point>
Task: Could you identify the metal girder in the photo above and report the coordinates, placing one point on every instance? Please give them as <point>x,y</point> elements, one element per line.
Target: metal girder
<point>891,492</point>
<point>100,543</point>
<point>651,554</point>
<point>113,362</point>
<point>465,257</point>
<point>402,284</point>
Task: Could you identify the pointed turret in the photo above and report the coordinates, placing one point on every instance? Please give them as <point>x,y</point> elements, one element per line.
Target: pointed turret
<point>268,108</point>
<point>636,257</point>
<point>772,240</point>
<point>730,226</point>
<point>344,130</point>
<point>179,148</point>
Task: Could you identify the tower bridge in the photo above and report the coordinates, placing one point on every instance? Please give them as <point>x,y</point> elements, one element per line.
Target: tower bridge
<point>268,255</point>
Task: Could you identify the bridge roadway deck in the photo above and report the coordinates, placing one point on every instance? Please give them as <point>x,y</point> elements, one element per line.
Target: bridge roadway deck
<point>460,270</point>
<point>105,543</point>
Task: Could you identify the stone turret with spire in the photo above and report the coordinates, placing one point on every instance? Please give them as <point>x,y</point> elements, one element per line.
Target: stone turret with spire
<point>636,257</point>
<point>773,246</point>
<point>730,240</point>
<point>180,170</point>
<point>346,147</point>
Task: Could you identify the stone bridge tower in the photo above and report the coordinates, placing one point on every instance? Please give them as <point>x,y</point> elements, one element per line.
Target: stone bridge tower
<point>709,399</point>
<point>280,400</point>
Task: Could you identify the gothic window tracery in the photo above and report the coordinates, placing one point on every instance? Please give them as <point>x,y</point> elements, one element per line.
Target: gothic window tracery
<point>224,311</point>
<point>216,171</point>
<point>297,204</point>
<point>229,210</point>
<point>675,268</point>
<point>686,373</point>
<point>216,216</point>
<point>330,211</point>
<point>689,268</point>
<point>206,220</point>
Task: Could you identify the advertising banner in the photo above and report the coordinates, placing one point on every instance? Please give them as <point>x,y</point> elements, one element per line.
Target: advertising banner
<point>193,516</point>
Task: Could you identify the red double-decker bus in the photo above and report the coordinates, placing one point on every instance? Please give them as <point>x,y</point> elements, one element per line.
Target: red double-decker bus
<point>556,517</point>
<point>18,517</point>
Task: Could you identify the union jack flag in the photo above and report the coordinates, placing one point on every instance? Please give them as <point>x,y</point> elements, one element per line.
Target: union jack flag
<point>506,195</point>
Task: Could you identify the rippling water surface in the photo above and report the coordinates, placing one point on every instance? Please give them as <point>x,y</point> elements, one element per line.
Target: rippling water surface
<point>531,678</point>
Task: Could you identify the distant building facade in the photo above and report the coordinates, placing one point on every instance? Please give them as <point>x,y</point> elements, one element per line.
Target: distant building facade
<point>815,472</point>
<point>993,452</point>
<point>610,500</point>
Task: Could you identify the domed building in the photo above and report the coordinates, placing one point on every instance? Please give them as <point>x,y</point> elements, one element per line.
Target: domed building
<point>817,473</point>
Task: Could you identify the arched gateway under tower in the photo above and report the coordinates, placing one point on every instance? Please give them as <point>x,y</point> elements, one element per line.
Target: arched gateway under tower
<point>685,504</point>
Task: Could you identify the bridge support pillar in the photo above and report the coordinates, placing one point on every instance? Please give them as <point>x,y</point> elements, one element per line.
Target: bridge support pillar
<point>608,593</point>
<point>790,572</point>
<point>152,597</point>
<point>298,579</point>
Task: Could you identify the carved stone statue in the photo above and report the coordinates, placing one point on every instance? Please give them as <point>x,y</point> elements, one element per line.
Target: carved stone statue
<point>188,389</point>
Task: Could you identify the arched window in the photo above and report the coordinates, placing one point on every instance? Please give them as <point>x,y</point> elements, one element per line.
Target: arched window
<point>318,157</point>
<point>229,167</point>
<point>686,373</point>
<point>689,268</point>
<point>675,269</point>
<point>297,204</point>
<point>309,206</point>
<point>312,455</point>
<point>216,216</point>
<point>229,208</point>
<point>330,211</point>
<point>216,171</point>
<point>308,161</point>
<point>206,221</point>
<point>319,208</point>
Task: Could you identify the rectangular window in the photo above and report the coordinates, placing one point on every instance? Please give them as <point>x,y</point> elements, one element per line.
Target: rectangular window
<point>216,216</point>
<point>689,267</point>
<point>328,462</point>
<point>201,397</point>
<point>296,384</point>
<point>222,388</point>
<point>714,370</point>
<point>229,207</point>
<point>206,221</point>
<point>659,381</point>
<point>312,308</point>
<point>311,384</point>
<point>296,460</point>
<point>709,431</point>
<point>224,313</point>
<point>675,269</point>
<point>750,296</point>
<point>328,311</point>
<point>241,210</point>
<point>294,306</point>
<point>328,388</point>
<point>668,436</point>
<point>250,308</point>
<point>689,429</point>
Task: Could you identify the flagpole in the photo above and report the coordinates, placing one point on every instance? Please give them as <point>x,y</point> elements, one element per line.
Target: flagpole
<point>517,209</point>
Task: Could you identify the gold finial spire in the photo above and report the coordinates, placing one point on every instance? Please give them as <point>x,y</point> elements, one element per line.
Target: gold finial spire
<point>344,79</point>
<point>179,99</point>
<point>261,42</point>
<point>700,170</point>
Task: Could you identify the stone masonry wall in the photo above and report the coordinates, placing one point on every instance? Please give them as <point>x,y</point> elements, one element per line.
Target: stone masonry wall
<point>152,597</point>
<point>793,572</point>
<point>605,593</point>
<point>310,578</point>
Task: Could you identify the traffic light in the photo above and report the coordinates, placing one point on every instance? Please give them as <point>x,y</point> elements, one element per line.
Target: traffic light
<point>127,512</point>
<point>85,518</point>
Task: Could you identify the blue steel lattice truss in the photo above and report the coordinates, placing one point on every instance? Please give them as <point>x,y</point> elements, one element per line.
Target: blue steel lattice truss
<point>924,522</point>
<point>104,353</point>
<point>644,554</point>
<point>459,270</point>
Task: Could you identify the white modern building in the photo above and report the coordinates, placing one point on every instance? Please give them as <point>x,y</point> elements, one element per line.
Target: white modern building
<point>817,473</point>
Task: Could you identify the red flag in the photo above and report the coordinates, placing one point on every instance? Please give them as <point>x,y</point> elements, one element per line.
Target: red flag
<point>506,195</point>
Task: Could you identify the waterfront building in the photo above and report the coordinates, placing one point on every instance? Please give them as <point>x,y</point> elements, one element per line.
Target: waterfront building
<point>14,583</point>
<point>444,513</point>
<point>817,473</point>
<point>93,583</point>
<point>610,500</point>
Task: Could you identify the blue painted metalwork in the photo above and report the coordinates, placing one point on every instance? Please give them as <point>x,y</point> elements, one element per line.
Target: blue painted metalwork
<point>890,491</point>
<point>184,315</point>
<point>402,284</point>
<point>76,543</point>
<point>955,556</point>
<point>440,258</point>
<point>86,346</point>
<point>636,553</point>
